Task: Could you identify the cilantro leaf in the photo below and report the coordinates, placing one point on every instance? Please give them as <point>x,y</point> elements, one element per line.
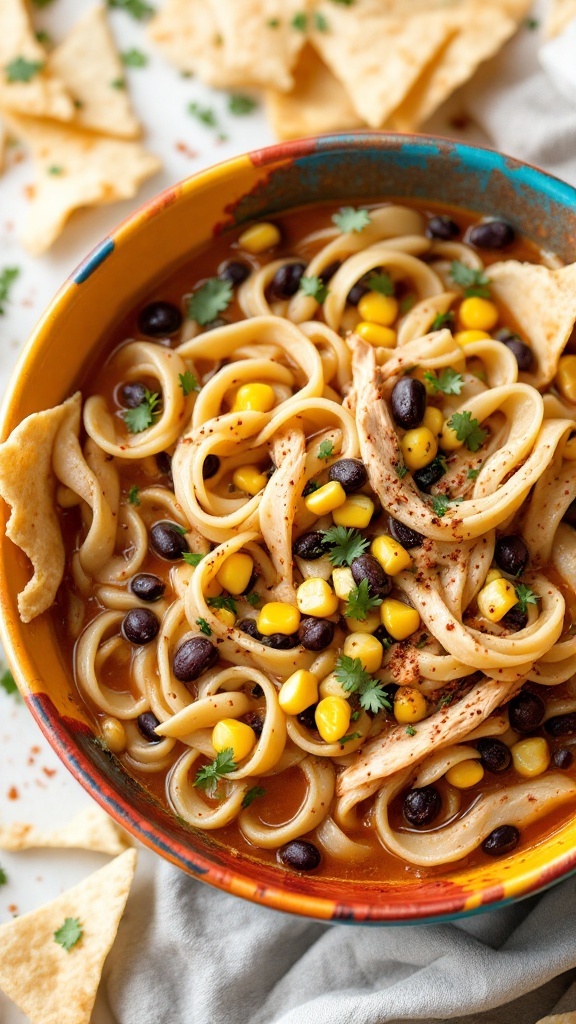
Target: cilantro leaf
<point>222,602</point>
<point>252,794</point>
<point>445,700</point>
<point>350,736</point>
<point>406,304</point>
<point>138,9</point>
<point>188,382</point>
<point>348,219</point>
<point>310,487</point>
<point>204,627</point>
<point>474,282</point>
<point>42,36</point>
<point>441,503</point>
<point>205,115</point>
<point>208,777</point>
<point>314,287</point>
<point>345,544</point>
<point>410,730</point>
<point>472,474</point>
<point>212,298</point>
<point>443,320</point>
<point>55,170</point>
<point>381,283</point>
<point>3,877</point>
<point>22,70</point>
<point>144,415</point>
<point>422,642</point>
<point>69,933</point>
<point>449,382</point>
<point>468,430</point>
<point>253,599</point>
<point>133,495</point>
<point>325,450</point>
<point>525,596</point>
<point>299,21</point>
<point>192,557</point>
<point>374,698</point>
<point>321,22</point>
<point>118,83</point>
<point>7,683</point>
<point>344,3</point>
<point>41,3</point>
<point>355,679</point>
<point>273,23</point>
<point>359,602</point>
<point>134,58</point>
<point>239,104</point>
<point>401,470</point>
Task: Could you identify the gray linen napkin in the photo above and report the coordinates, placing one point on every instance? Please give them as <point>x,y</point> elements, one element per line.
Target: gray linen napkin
<point>197,956</point>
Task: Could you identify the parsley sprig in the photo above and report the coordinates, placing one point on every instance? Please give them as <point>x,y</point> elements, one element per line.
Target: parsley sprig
<point>7,278</point>
<point>69,933</point>
<point>208,777</point>
<point>212,298</point>
<point>525,596</point>
<point>345,544</point>
<point>449,382</point>
<point>360,602</point>
<point>349,219</point>
<point>144,415</point>
<point>314,287</point>
<point>474,282</point>
<point>355,679</point>
<point>468,430</point>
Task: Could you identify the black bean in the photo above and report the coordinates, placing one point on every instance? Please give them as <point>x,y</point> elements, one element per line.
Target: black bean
<point>408,402</point>
<point>328,273</point>
<point>281,642</point>
<point>511,555</point>
<point>442,227</point>
<point>421,806</point>
<point>253,719</point>
<point>167,540</point>
<point>562,758</point>
<point>366,567</point>
<point>192,658</point>
<point>310,546</point>
<point>300,855</point>
<point>515,619</point>
<point>316,634</point>
<point>501,840</point>
<point>494,755</point>
<point>133,394</point>
<point>147,723</point>
<point>164,463</point>
<point>492,234</point>
<point>249,627</point>
<point>570,514</point>
<point>257,691</point>
<point>147,587</point>
<point>350,473</point>
<point>562,725</point>
<point>210,466</point>
<point>357,291</point>
<point>428,476</point>
<point>526,711</point>
<point>235,272</point>
<point>307,718</point>
<point>286,281</point>
<point>140,626</point>
<point>160,320</point>
<point>405,536</point>
<point>524,355</point>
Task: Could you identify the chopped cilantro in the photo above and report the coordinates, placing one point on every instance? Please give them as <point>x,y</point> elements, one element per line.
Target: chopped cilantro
<point>206,116</point>
<point>273,23</point>
<point>56,170</point>
<point>441,503</point>
<point>472,474</point>
<point>444,701</point>
<point>381,283</point>
<point>118,83</point>
<point>22,70</point>
<point>348,219</point>
<point>188,382</point>
<point>531,24</point>
<point>43,37</point>
<point>351,736</point>
<point>325,450</point>
<point>204,627</point>
<point>137,9</point>
<point>222,602</point>
<point>7,278</point>
<point>344,3</point>
<point>41,3</point>
<point>69,933</point>
<point>401,470</point>
<point>474,282</point>
<point>7,683</point>
<point>410,730</point>
<point>3,877</point>
<point>239,104</point>
<point>134,58</point>
<point>310,487</point>
<point>314,287</point>
<point>422,642</point>
<point>192,557</point>
<point>212,298</point>
<point>299,21</point>
<point>182,530</point>
<point>360,603</point>
<point>449,382</point>
<point>406,304</point>
<point>468,430</point>
<point>321,22</point>
<point>355,679</point>
<point>525,596</point>
<point>144,415</point>
<point>443,320</point>
<point>252,794</point>
<point>345,544</point>
<point>208,777</point>
<point>133,495</point>
<point>253,599</point>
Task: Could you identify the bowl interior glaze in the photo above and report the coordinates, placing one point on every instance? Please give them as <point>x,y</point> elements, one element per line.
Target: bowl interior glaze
<point>108,283</point>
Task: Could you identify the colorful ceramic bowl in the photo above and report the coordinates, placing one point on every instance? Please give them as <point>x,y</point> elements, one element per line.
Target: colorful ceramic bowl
<point>115,276</point>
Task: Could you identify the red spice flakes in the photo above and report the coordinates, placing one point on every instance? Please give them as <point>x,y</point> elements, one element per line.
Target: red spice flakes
<point>12,908</point>
<point>13,793</point>
<point>50,772</point>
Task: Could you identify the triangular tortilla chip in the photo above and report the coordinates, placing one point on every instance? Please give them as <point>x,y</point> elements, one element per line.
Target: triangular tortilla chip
<point>92,829</point>
<point>543,304</point>
<point>90,67</point>
<point>28,485</point>
<point>378,57</point>
<point>260,43</point>
<point>53,985</point>
<point>74,169</point>
<point>317,103</point>
<point>185,31</point>
<point>560,14</point>
<point>44,95</point>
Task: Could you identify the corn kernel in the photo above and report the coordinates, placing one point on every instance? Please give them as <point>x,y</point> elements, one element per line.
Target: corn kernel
<point>491,575</point>
<point>278,617</point>
<point>212,588</point>
<point>392,556</point>
<point>419,448</point>
<point>343,582</point>
<point>531,757</point>
<point>113,734</point>
<point>366,647</point>
<point>229,732</point>
<point>368,625</point>
<point>298,692</point>
<point>332,717</point>
<point>235,573</point>
<point>465,774</point>
<point>378,309</point>
<point>476,314</point>
<point>569,452</point>
<point>399,619</point>
<point>357,511</point>
<point>249,479</point>
<point>254,398</point>
<point>376,334</point>
<point>566,377</point>
<point>326,498</point>
<point>464,338</point>
<point>332,687</point>
<point>259,237</point>
<point>316,597</point>
<point>449,439</point>
<point>409,705</point>
<point>496,599</point>
<point>434,420</point>
<point>227,618</point>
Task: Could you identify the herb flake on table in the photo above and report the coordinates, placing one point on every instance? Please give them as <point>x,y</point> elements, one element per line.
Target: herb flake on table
<point>345,544</point>
<point>42,3</point>
<point>8,684</point>
<point>474,282</point>
<point>325,450</point>
<point>134,58</point>
<point>69,934</point>
<point>3,877</point>
<point>192,558</point>
<point>448,381</point>
<point>137,9</point>
<point>468,430</point>
<point>206,116</point>
<point>144,415</point>
<point>314,287</point>
<point>239,104</point>
<point>22,70</point>
<point>252,794</point>
<point>118,83</point>
<point>188,383</point>
<point>350,219</point>
<point>381,283</point>
<point>354,679</point>
<point>359,602</point>
<point>208,777</point>
<point>7,279</point>
<point>212,298</point>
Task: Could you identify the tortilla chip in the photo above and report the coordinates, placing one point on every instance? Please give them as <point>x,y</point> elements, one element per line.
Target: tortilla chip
<point>90,67</point>
<point>559,1018</point>
<point>187,34</point>
<point>28,485</point>
<point>480,31</point>
<point>560,14</point>
<point>317,103</point>
<point>53,985</point>
<point>74,169</point>
<point>543,304</point>
<point>92,829</point>
<point>378,57</point>
<point>44,95</point>
<point>252,50</point>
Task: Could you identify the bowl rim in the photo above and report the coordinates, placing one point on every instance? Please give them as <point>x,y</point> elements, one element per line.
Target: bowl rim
<point>239,881</point>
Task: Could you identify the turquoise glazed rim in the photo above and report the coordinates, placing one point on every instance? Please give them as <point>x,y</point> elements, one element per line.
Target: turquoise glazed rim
<point>143,250</point>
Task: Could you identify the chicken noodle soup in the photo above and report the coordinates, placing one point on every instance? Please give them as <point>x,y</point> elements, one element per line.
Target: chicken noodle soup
<point>318,519</point>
